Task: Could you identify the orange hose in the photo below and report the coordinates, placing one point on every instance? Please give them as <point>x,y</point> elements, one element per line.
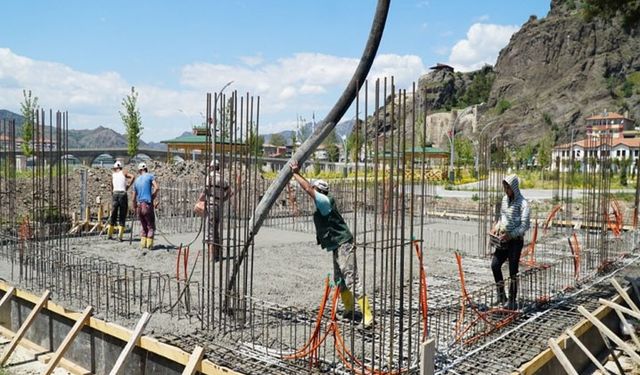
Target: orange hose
<point>178,263</point>
<point>424,307</point>
<point>550,217</point>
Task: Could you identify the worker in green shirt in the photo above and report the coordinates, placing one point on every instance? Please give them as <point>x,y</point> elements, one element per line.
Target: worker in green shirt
<point>333,234</point>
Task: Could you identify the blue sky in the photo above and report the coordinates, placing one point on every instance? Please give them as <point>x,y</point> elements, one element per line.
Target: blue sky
<point>83,56</point>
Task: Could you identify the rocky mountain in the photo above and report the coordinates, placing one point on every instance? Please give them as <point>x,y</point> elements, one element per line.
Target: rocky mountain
<point>342,128</point>
<point>555,72</point>
<point>86,138</point>
<point>562,68</point>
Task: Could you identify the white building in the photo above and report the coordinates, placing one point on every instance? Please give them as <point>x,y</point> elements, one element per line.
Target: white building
<point>593,148</point>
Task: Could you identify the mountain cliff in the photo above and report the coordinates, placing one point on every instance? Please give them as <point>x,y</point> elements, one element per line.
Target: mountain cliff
<point>557,70</point>
<point>100,137</point>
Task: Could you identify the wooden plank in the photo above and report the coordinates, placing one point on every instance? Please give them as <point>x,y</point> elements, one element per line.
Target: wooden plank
<point>586,351</point>
<point>631,328</point>
<point>625,296</point>
<point>150,344</point>
<point>64,363</point>
<point>620,308</point>
<point>23,329</point>
<point>68,340</point>
<point>564,361</point>
<point>534,365</point>
<point>133,340</point>
<point>7,296</point>
<point>612,336</point>
<point>194,361</point>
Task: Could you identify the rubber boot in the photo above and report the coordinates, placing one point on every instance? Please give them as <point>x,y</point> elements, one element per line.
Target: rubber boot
<point>502,296</point>
<point>120,233</point>
<point>110,229</point>
<point>367,315</point>
<point>512,303</point>
<point>349,305</point>
<point>143,242</point>
<point>149,243</point>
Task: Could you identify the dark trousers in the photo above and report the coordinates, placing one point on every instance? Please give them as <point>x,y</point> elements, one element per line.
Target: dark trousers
<point>119,206</point>
<point>147,219</point>
<point>509,250</point>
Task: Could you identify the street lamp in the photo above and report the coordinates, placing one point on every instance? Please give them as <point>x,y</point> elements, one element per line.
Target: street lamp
<point>451,136</point>
<point>188,116</point>
<point>344,147</point>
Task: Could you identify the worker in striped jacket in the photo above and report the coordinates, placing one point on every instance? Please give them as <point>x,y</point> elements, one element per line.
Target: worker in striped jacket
<point>510,229</point>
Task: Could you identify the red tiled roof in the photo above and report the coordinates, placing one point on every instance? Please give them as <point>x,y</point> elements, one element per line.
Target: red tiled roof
<point>609,116</point>
<point>629,142</point>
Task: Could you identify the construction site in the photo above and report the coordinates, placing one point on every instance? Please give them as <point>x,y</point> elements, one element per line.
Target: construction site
<point>270,305</point>
<point>82,303</point>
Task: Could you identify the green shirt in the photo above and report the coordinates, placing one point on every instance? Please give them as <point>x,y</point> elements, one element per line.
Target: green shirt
<point>331,229</point>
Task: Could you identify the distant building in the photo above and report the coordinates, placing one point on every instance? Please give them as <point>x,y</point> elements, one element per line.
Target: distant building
<point>610,123</point>
<point>273,151</point>
<point>194,145</point>
<point>441,67</point>
<point>609,135</point>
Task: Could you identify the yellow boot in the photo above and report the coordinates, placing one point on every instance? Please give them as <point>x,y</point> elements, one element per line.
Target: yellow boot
<point>348,303</point>
<point>110,230</point>
<point>367,315</point>
<point>143,242</point>
<point>149,243</point>
<point>120,233</point>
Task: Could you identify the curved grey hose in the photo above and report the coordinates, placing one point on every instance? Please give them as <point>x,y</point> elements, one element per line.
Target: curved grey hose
<point>322,131</point>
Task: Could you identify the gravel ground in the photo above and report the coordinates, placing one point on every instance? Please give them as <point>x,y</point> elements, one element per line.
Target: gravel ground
<point>24,362</point>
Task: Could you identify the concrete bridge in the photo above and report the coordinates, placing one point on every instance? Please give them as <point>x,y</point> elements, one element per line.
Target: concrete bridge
<point>88,156</point>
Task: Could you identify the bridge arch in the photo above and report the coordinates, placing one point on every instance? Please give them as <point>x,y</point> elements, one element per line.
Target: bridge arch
<point>103,160</point>
<point>70,159</point>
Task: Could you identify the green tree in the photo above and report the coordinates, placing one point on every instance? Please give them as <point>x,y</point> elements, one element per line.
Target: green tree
<point>28,109</point>
<point>255,143</point>
<point>608,9</point>
<point>130,116</point>
<point>333,152</point>
<point>277,140</point>
<point>355,141</point>
<point>464,151</point>
<point>544,152</point>
<point>479,88</point>
<point>624,167</point>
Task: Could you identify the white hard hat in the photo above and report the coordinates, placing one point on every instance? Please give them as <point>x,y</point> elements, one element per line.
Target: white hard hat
<point>321,185</point>
<point>214,163</point>
<point>117,164</point>
<point>142,166</point>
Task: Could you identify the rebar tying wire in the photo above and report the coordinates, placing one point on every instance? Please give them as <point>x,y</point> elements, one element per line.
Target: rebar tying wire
<point>312,346</point>
<point>574,246</point>
<point>480,315</point>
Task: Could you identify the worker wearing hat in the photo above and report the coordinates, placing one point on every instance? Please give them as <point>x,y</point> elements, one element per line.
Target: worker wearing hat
<point>217,191</point>
<point>120,182</point>
<point>333,234</point>
<point>145,190</point>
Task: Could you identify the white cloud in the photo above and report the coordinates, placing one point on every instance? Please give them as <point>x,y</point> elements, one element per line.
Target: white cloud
<point>300,84</point>
<point>252,60</point>
<point>482,45</point>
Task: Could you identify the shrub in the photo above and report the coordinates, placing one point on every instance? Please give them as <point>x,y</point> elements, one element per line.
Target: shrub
<point>502,106</point>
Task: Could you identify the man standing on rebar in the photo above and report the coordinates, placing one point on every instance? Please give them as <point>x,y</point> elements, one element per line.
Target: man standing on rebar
<point>218,191</point>
<point>333,234</point>
<point>120,182</point>
<point>513,224</point>
<point>145,191</point>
